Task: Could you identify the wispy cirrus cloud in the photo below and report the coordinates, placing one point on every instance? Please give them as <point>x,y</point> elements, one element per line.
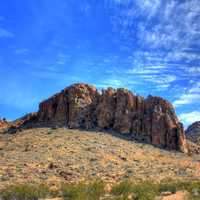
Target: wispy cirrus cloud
<point>189,118</point>
<point>5,33</point>
<point>191,96</point>
<point>155,74</point>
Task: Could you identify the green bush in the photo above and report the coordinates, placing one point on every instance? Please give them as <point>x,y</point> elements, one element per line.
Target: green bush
<point>24,192</point>
<point>139,191</point>
<point>126,190</point>
<point>145,190</point>
<point>92,191</point>
<point>192,187</point>
<point>122,189</point>
<point>168,187</point>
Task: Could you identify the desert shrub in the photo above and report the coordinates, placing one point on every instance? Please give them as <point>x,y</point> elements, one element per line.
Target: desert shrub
<point>192,187</point>
<point>91,191</point>
<point>126,190</point>
<point>24,192</point>
<point>168,187</point>
<point>138,191</point>
<point>122,189</point>
<point>145,190</point>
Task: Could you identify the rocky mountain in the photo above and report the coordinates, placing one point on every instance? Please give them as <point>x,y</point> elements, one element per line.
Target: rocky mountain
<point>193,132</point>
<point>151,120</point>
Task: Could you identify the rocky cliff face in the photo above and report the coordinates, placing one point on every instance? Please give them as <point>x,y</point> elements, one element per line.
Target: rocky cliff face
<point>151,120</point>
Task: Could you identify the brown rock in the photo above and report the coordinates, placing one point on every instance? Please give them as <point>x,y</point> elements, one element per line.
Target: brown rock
<point>193,136</point>
<point>193,132</point>
<point>82,101</point>
<point>105,111</point>
<point>28,121</point>
<point>162,125</point>
<point>152,120</point>
<point>73,107</point>
<point>3,123</point>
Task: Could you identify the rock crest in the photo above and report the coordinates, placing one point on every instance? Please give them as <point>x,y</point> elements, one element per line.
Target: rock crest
<point>152,120</point>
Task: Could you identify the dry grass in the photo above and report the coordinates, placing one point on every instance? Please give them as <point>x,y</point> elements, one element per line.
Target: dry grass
<point>54,156</point>
<point>127,190</point>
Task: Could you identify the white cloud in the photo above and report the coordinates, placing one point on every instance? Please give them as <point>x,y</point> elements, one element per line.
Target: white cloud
<point>192,95</point>
<point>189,118</point>
<point>5,33</point>
<point>150,7</point>
<point>195,89</point>
<point>187,99</point>
<point>155,74</point>
<point>194,71</point>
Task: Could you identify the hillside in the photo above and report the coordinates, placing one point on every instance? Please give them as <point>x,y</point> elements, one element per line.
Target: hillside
<point>52,156</point>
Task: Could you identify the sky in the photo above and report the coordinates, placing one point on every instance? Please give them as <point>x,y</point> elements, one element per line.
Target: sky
<point>148,46</point>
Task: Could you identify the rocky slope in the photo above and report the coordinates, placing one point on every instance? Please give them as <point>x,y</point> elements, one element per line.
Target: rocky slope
<point>53,156</point>
<point>152,120</point>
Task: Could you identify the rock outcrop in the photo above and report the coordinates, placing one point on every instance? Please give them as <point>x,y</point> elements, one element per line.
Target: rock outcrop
<point>152,120</point>
<point>27,121</point>
<point>193,133</point>
<point>3,123</point>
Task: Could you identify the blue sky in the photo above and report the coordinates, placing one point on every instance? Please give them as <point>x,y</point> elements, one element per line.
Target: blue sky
<point>148,46</point>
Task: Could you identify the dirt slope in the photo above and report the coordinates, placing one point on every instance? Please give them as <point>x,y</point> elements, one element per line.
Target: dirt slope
<point>56,155</point>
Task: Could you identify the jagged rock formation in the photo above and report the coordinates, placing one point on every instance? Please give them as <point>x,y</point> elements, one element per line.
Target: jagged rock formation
<point>193,133</point>
<point>151,120</point>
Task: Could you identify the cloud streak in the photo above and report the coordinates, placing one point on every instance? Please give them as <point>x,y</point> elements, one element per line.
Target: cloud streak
<point>191,96</point>
<point>5,33</point>
<point>189,118</point>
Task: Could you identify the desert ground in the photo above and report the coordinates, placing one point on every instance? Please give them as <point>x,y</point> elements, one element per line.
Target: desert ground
<point>60,155</point>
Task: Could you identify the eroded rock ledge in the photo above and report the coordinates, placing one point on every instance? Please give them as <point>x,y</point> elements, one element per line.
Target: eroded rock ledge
<point>152,120</point>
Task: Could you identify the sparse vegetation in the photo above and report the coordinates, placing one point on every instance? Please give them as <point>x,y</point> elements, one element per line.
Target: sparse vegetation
<point>126,190</point>
<point>192,187</point>
<point>91,191</point>
<point>122,189</point>
<point>24,192</point>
